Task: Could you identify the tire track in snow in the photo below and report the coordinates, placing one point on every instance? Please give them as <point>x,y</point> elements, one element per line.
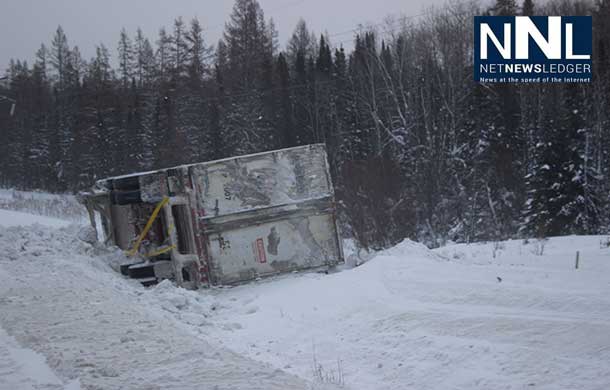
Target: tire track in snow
<point>89,324</point>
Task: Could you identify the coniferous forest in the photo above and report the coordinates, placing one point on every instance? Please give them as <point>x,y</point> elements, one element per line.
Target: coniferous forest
<point>417,149</point>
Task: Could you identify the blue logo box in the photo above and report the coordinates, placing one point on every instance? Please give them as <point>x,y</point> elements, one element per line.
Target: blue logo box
<point>535,49</point>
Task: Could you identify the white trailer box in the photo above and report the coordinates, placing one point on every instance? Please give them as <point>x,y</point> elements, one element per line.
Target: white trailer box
<point>225,221</point>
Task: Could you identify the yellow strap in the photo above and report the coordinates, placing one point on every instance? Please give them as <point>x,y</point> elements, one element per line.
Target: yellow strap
<point>149,224</point>
<point>160,251</point>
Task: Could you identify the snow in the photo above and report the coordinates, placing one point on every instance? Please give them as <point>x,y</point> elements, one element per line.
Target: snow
<point>61,299</point>
<point>421,319</point>
<point>9,194</point>
<point>16,218</point>
<point>61,206</point>
<point>24,369</point>
<point>509,315</point>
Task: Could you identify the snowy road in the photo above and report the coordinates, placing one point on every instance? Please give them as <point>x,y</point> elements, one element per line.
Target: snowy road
<point>24,369</point>
<point>58,300</point>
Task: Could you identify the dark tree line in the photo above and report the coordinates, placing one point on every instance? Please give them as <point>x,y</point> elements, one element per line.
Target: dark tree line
<point>417,148</point>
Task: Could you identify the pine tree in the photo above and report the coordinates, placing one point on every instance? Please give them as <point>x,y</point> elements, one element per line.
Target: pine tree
<point>164,96</point>
<point>126,58</point>
<point>339,110</point>
<point>215,145</point>
<point>247,126</point>
<point>302,43</point>
<point>144,60</point>
<point>301,100</point>
<point>18,133</point>
<point>285,120</point>
<point>163,56</point>
<point>528,8</point>
<point>197,54</point>
<point>103,139</point>
<point>179,51</point>
<point>60,51</point>
<point>43,143</point>
<point>324,96</point>
<point>193,110</point>
<point>578,177</point>
<point>505,8</point>
<point>66,65</point>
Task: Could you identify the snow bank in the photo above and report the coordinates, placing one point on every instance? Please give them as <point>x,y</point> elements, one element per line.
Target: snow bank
<point>16,218</point>
<point>422,319</point>
<point>61,206</point>
<point>411,250</point>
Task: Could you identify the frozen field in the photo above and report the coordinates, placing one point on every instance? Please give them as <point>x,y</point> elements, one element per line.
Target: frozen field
<point>509,315</point>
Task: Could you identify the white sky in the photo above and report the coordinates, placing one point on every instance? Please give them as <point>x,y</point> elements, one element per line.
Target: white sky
<point>25,24</point>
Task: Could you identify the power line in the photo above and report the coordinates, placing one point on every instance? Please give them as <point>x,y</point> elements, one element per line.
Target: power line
<point>402,19</point>
<point>362,25</point>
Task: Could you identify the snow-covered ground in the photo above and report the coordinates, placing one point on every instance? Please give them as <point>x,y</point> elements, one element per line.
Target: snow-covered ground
<point>412,318</point>
<point>24,369</point>
<point>62,206</point>
<point>510,315</point>
<point>17,218</point>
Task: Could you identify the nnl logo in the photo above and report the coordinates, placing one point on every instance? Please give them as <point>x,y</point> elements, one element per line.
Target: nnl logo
<point>532,49</point>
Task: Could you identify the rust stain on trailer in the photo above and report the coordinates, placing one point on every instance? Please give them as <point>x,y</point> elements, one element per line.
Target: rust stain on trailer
<point>273,240</point>
<point>250,187</point>
<point>302,227</point>
<point>284,265</point>
<point>223,244</point>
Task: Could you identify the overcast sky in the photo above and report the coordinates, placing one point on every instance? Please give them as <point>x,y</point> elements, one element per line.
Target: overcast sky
<point>25,24</point>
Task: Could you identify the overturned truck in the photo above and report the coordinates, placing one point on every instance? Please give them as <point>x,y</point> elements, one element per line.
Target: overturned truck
<point>222,222</point>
